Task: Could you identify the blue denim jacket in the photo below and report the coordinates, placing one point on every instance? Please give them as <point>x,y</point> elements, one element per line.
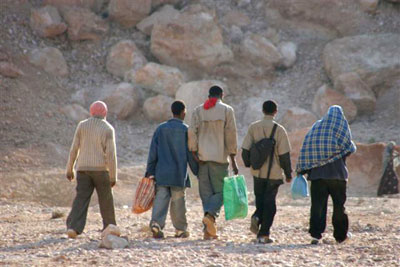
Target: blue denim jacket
<point>169,155</point>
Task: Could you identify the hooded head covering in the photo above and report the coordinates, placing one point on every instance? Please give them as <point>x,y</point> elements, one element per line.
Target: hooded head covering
<point>329,139</point>
<point>98,109</point>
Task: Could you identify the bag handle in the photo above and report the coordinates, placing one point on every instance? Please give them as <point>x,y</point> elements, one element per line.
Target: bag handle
<point>272,150</point>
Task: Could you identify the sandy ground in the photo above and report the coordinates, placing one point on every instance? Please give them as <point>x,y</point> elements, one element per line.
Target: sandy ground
<point>29,237</point>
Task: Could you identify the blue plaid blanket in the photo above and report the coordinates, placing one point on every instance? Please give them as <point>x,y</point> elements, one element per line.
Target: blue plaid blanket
<point>328,140</point>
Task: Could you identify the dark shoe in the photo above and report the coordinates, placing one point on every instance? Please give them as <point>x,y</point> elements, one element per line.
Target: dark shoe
<point>264,239</point>
<point>156,230</point>
<point>348,237</point>
<point>314,241</point>
<point>210,226</point>
<point>254,225</point>
<point>182,234</point>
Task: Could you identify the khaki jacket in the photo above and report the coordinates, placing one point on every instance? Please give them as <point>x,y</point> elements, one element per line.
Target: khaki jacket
<point>212,133</point>
<point>93,148</point>
<point>262,129</point>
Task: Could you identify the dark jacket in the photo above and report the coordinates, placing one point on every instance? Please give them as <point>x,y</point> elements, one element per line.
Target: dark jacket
<point>169,155</point>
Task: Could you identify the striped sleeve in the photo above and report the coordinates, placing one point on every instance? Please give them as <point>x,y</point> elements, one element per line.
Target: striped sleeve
<point>73,153</point>
<point>111,155</point>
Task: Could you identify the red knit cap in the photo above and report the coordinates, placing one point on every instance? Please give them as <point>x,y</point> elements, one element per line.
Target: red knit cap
<point>98,109</point>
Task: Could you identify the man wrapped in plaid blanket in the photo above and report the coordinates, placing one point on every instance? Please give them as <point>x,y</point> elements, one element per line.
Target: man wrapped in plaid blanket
<point>328,140</point>
<point>323,159</point>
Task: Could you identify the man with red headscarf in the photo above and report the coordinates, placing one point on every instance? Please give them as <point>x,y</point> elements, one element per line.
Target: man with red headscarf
<point>213,142</point>
<point>93,153</point>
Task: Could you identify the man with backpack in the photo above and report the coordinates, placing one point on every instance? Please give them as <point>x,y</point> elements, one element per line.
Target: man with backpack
<point>266,149</point>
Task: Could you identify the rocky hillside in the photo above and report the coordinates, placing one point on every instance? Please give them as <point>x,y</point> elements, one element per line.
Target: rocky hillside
<point>57,56</point>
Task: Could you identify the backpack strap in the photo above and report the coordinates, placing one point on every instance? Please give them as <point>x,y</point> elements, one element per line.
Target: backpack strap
<point>272,150</point>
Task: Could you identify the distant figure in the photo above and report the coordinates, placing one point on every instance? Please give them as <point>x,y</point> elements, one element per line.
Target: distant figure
<point>268,178</point>
<point>93,152</point>
<point>323,158</point>
<point>212,139</point>
<point>389,182</point>
<point>167,162</point>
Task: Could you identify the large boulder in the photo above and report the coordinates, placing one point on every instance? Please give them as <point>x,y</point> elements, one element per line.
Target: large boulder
<point>162,16</point>
<point>129,12</point>
<point>195,93</point>
<point>158,108</point>
<point>122,100</point>
<point>83,24</point>
<point>75,112</point>
<point>365,169</point>
<point>123,57</point>
<point>47,22</point>
<point>369,5</point>
<point>260,51</point>
<point>50,59</point>
<point>375,58</point>
<point>236,18</point>
<point>94,5</point>
<point>326,97</point>
<point>252,108</point>
<point>192,42</point>
<point>162,79</point>
<point>288,51</point>
<point>326,13</point>
<point>297,118</point>
<point>356,90</point>
<point>7,69</point>
<point>156,3</point>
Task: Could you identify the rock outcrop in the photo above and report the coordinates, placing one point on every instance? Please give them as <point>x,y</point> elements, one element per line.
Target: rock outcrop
<point>375,58</point>
<point>75,112</point>
<point>123,100</point>
<point>47,22</point>
<point>326,13</point>
<point>123,57</point>
<point>83,24</point>
<point>326,97</point>
<point>351,85</point>
<point>297,118</point>
<point>162,79</point>
<point>163,16</point>
<point>129,12</point>
<point>191,42</point>
<point>158,108</point>
<point>50,59</point>
<point>7,69</point>
<point>260,51</point>
<point>94,5</point>
<point>288,51</point>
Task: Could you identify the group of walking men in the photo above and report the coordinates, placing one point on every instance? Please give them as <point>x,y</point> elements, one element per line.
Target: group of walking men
<point>207,146</point>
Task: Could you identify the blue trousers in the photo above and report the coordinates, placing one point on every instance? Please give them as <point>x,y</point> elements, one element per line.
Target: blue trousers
<point>170,196</point>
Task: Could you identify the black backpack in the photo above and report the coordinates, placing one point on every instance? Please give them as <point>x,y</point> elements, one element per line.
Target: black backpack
<point>260,151</point>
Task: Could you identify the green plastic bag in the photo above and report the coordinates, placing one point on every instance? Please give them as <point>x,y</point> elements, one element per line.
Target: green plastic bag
<point>235,197</point>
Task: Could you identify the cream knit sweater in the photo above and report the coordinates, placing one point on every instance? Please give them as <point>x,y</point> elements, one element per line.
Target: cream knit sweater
<point>93,148</point>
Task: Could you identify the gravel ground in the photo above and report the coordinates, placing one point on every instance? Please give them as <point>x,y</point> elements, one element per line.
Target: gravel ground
<point>31,238</point>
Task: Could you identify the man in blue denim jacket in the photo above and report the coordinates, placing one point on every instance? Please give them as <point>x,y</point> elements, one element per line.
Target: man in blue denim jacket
<point>167,162</point>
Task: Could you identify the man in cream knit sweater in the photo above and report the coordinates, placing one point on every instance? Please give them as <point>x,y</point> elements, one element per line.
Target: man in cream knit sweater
<point>93,153</point>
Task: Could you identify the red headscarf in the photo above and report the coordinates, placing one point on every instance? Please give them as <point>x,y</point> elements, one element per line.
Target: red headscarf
<point>210,103</point>
<point>98,109</point>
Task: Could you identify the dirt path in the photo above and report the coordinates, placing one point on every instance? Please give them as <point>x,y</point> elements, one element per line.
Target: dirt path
<point>31,238</point>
